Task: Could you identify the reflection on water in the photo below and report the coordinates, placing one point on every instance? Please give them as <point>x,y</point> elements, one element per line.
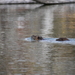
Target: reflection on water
<point>19,57</point>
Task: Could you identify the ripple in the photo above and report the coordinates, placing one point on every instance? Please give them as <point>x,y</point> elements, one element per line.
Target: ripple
<point>53,40</point>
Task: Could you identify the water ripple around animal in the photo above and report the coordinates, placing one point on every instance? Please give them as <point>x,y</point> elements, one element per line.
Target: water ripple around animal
<point>53,40</point>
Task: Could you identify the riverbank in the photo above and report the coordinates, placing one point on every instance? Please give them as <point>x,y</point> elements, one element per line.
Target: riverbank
<point>47,2</point>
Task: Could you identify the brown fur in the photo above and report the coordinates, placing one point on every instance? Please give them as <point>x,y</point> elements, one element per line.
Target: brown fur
<point>62,39</point>
<point>34,37</point>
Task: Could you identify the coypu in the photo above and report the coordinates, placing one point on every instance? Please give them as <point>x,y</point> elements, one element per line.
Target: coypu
<point>34,37</point>
<point>62,39</point>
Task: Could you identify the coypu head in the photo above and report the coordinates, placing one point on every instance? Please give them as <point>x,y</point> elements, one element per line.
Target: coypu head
<point>62,39</point>
<point>34,37</point>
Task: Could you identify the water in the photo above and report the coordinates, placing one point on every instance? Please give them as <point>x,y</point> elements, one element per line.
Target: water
<point>21,57</point>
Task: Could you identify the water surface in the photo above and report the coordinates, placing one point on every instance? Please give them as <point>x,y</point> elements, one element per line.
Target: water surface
<point>20,57</point>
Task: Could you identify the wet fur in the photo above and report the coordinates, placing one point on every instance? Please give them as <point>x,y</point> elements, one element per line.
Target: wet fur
<point>34,37</point>
<point>62,39</point>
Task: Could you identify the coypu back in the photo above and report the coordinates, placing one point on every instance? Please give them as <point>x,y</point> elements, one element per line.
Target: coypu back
<point>62,39</point>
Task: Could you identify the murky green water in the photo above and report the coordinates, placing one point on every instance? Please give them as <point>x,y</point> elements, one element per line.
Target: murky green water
<point>19,57</point>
